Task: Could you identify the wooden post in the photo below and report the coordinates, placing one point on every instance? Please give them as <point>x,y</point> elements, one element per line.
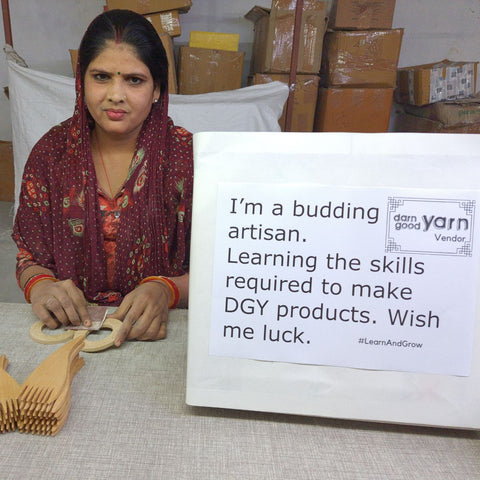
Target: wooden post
<point>293,64</point>
<point>6,22</point>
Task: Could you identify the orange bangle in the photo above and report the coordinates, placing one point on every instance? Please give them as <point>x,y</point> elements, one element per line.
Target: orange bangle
<point>33,281</point>
<point>172,286</point>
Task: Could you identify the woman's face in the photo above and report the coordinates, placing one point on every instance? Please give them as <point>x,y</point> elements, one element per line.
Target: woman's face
<point>119,90</point>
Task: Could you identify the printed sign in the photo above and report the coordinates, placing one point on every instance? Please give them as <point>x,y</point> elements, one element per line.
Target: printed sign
<point>370,278</point>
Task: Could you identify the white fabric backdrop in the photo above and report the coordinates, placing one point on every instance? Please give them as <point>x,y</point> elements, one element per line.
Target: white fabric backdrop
<point>40,100</point>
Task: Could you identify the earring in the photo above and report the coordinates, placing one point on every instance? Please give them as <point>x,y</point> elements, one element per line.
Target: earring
<point>156,100</point>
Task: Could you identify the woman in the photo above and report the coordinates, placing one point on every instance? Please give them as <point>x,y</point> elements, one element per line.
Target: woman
<point>105,204</point>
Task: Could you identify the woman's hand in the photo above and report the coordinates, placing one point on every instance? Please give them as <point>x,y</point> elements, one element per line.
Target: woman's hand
<point>144,312</point>
<point>59,303</point>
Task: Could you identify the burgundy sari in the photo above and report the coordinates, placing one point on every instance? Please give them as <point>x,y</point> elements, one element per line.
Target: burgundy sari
<point>58,224</point>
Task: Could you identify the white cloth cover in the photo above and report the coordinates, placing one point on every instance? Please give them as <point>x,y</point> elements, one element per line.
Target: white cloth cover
<point>40,100</point>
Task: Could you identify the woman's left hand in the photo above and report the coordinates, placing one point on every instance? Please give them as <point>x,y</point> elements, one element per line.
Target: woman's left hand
<point>144,313</point>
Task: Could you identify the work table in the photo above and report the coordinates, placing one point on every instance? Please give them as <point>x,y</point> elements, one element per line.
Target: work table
<point>128,420</point>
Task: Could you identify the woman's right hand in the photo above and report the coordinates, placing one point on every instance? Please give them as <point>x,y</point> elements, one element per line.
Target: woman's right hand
<point>59,303</point>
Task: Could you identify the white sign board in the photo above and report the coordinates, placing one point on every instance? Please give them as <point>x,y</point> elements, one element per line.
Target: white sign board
<point>327,262</point>
<point>352,277</point>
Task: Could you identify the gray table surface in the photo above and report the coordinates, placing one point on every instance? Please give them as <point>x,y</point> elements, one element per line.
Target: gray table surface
<point>128,420</point>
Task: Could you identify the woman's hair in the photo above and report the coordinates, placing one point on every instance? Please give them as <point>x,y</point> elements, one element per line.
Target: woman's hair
<point>125,26</point>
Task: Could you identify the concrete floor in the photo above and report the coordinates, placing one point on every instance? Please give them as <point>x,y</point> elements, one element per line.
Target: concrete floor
<point>9,291</point>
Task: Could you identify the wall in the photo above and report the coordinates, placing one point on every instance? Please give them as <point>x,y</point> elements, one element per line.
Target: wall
<point>438,29</point>
<point>44,31</point>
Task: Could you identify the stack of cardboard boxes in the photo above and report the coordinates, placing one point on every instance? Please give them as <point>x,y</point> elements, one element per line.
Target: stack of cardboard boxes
<point>438,98</point>
<point>272,53</point>
<point>359,67</point>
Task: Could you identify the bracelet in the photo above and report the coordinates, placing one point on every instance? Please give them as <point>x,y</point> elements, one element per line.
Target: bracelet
<point>33,280</point>
<point>28,279</point>
<point>170,284</point>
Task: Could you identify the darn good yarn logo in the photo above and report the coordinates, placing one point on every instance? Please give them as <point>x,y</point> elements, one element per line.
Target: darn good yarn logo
<point>430,226</point>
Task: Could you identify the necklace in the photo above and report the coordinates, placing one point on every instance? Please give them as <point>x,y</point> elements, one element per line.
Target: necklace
<point>103,165</point>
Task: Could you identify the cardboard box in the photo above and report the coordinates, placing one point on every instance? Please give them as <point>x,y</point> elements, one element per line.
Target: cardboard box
<point>449,113</point>
<point>74,59</point>
<point>433,82</point>
<point>361,14</point>
<point>172,71</point>
<point>361,58</point>
<point>304,98</point>
<point>7,174</point>
<point>150,6</point>
<point>405,122</point>
<point>168,22</point>
<point>353,110</point>
<point>215,40</point>
<point>204,70</point>
<point>273,36</point>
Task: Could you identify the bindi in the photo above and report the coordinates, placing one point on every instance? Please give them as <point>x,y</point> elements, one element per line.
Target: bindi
<point>118,73</point>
